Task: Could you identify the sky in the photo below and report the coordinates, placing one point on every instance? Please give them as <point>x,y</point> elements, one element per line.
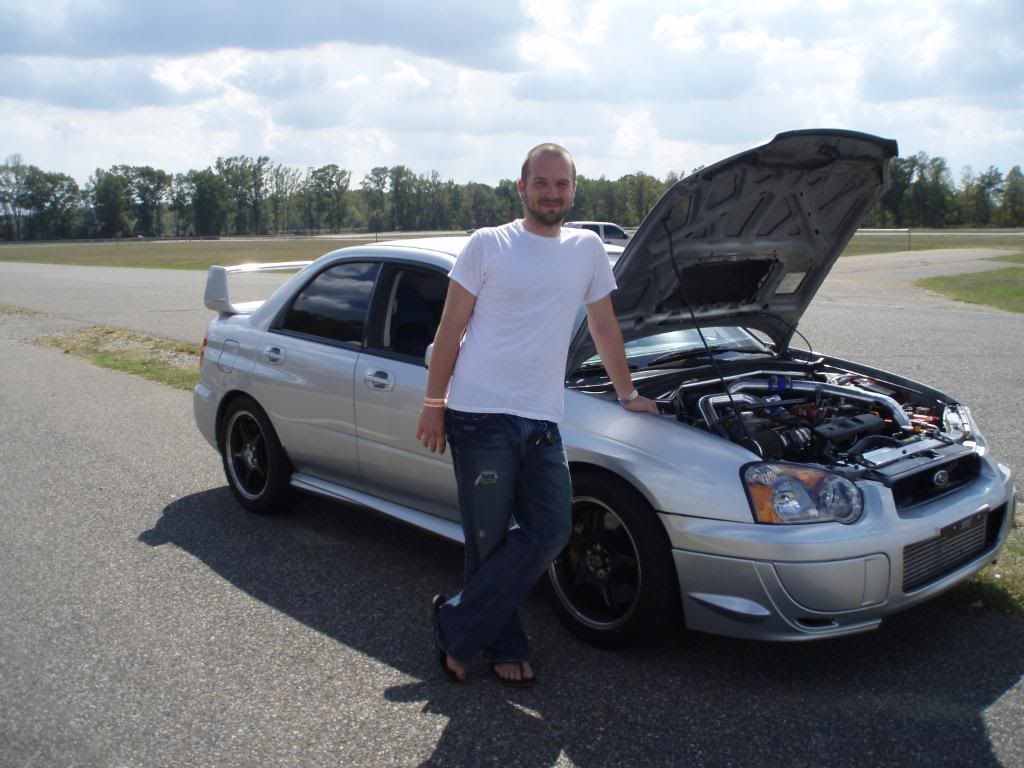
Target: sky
<point>466,87</point>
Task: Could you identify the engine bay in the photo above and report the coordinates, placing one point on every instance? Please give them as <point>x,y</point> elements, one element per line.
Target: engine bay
<point>817,412</point>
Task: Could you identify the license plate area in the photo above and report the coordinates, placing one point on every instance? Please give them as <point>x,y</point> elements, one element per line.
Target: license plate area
<point>963,526</point>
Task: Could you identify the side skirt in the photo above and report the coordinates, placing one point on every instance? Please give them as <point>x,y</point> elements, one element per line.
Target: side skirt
<point>436,525</point>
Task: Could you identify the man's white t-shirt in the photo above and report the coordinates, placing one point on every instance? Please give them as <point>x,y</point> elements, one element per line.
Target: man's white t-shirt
<point>528,289</point>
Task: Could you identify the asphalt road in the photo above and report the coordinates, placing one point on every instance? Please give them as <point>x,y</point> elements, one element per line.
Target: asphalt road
<point>148,621</point>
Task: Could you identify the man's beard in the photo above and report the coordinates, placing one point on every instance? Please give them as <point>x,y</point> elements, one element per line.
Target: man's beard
<point>548,218</point>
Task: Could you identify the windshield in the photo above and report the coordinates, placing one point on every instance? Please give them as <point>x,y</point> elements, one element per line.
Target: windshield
<point>644,350</point>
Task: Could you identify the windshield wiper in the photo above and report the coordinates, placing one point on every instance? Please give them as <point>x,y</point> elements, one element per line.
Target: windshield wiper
<point>704,352</point>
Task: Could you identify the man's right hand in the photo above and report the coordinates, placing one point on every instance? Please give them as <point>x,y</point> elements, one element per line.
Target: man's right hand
<point>430,430</point>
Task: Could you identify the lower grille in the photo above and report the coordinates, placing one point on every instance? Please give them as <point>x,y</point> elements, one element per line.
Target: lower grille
<point>930,560</point>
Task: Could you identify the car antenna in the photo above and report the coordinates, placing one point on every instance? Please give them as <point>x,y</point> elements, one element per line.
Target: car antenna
<point>696,325</point>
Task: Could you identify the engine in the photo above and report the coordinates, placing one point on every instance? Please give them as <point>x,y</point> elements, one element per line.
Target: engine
<point>830,418</point>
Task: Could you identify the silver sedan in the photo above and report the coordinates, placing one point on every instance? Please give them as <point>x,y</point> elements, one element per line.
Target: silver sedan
<point>779,495</point>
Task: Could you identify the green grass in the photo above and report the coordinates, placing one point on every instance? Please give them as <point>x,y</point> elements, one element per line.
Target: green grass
<point>1000,288</point>
<point>171,254</point>
<point>6,309</point>
<point>1013,258</point>
<point>178,254</point>
<point>153,358</point>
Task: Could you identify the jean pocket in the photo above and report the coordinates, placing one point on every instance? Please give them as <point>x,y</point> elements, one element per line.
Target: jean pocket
<point>475,430</point>
<point>467,417</point>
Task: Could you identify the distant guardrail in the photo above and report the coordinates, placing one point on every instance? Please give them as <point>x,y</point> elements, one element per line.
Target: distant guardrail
<point>910,232</point>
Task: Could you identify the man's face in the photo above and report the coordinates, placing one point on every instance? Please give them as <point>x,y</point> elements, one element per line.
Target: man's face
<point>549,188</point>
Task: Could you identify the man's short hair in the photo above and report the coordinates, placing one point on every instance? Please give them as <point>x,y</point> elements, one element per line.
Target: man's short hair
<point>546,149</point>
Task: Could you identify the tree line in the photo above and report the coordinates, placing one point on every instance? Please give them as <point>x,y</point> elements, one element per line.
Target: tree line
<point>252,196</point>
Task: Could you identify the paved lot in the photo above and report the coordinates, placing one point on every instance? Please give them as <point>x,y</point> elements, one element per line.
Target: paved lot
<point>148,621</point>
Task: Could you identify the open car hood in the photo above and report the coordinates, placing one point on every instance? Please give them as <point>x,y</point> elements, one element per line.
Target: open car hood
<point>749,240</point>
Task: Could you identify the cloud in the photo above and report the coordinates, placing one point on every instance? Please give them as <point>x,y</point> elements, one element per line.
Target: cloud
<point>968,52</point>
<point>466,87</point>
<point>113,28</point>
<point>97,84</point>
<point>644,57</point>
<point>407,76</point>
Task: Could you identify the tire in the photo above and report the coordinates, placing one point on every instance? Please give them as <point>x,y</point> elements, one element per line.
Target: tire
<point>615,583</point>
<point>255,464</point>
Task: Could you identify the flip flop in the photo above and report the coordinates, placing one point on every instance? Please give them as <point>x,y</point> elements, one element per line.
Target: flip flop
<point>523,682</point>
<point>442,656</point>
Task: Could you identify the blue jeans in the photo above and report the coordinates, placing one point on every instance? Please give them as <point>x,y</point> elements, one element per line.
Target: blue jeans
<point>508,468</point>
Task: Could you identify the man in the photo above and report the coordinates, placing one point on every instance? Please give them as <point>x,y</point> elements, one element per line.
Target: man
<point>495,392</point>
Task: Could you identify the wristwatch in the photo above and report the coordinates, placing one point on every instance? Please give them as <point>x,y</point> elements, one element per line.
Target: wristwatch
<point>630,397</point>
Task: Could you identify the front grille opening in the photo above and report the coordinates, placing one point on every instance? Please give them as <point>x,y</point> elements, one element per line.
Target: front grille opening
<point>816,623</point>
<point>935,482</point>
<point>928,561</point>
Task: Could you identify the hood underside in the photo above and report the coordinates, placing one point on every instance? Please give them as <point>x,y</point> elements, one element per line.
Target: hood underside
<point>749,240</point>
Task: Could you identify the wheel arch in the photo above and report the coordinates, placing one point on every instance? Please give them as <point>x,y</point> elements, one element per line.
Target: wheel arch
<point>222,408</point>
<point>600,471</point>
<point>626,492</point>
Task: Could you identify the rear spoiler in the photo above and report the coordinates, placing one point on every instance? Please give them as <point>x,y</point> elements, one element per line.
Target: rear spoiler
<point>217,297</point>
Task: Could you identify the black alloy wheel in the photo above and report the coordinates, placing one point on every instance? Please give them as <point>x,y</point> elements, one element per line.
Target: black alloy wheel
<point>615,582</point>
<point>256,467</point>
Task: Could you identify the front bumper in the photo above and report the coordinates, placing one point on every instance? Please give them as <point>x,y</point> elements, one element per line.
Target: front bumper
<point>826,580</point>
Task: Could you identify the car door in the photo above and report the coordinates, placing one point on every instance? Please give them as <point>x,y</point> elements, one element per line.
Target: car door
<point>390,383</point>
<point>307,363</point>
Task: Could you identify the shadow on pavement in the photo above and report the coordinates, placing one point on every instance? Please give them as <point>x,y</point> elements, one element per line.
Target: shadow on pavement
<point>914,692</point>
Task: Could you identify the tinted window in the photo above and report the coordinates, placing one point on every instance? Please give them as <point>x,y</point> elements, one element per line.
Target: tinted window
<point>592,228</point>
<point>414,311</point>
<point>334,305</point>
<point>614,232</point>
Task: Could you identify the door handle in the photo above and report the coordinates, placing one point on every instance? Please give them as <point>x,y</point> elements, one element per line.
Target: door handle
<point>274,354</point>
<point>378,379</point>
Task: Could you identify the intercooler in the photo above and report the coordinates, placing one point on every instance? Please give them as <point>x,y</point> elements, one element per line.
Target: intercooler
<point>957,544</point>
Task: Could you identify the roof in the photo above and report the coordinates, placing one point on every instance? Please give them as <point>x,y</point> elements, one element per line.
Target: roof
<point>451,245</point>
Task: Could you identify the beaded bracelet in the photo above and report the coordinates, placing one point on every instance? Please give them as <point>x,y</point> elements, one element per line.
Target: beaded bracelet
<point>434,402</point>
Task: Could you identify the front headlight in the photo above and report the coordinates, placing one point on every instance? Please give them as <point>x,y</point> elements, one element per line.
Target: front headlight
<point>957,418</point>
<point>790,493</point>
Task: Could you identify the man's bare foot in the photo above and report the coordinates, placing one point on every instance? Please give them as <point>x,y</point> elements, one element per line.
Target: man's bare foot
<point>455,669</point>
<point>517,674</point>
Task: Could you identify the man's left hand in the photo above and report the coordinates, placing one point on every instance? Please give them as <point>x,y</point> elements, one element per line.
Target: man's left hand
<point>641,405</point>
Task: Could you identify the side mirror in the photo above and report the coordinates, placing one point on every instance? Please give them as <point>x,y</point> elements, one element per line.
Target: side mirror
<point>426,355</point>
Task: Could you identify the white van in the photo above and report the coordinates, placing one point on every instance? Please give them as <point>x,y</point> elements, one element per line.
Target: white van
<point>609,233</point>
